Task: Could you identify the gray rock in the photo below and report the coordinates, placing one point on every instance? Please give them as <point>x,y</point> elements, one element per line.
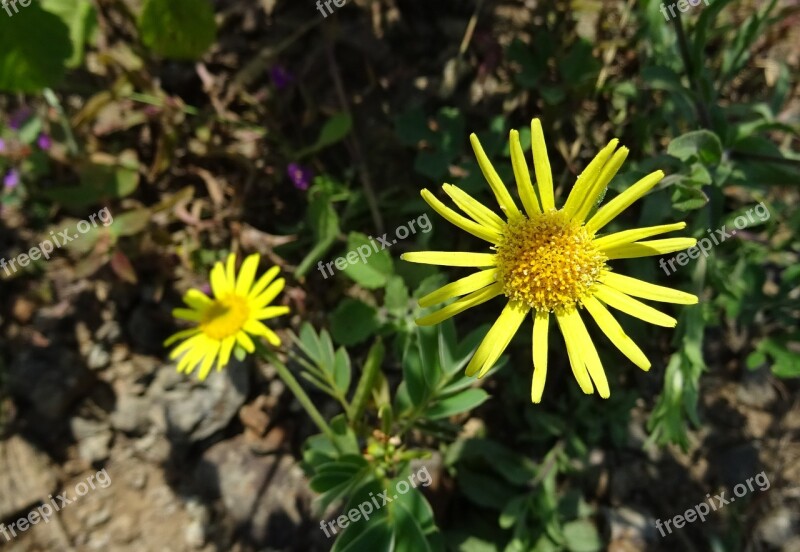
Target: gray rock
<point>195,410</point>
<point>25,478</point>
<point>93,437</point>
<point>778,526</point>
<point>98,357</point>
<point>630,529</point>
<point>267,496</point>
<point>131,414</point>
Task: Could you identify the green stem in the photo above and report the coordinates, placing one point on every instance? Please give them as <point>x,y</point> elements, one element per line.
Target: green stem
<point>300,394</point>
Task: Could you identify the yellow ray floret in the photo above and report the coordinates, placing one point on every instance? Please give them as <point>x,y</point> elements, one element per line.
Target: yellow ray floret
<point>546,261</point>
<point>228,319</point>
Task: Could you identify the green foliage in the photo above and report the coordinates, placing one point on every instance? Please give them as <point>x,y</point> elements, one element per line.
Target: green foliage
<point>333,131</point>
<point>178,29</point>
<point>34,49</point>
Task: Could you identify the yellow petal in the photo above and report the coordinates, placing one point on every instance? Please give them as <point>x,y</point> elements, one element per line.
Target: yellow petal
<point>491,176</point>
<point>263,282</point>
<point>196,299</point>
<point>254,327</point>
<point>477,230</point>
<point>219,282</point>
<point>187,314</point>
<point>190,360</point>
<point>180,335</point>
<point>273,338</point>
<point>247,274</point>
<point>451,258</point>
<point>270,312</point>
<point>609,326</point>
<point>225,352</point>
<point>230,270</point>
<point>541,322</point>
<point>576,362</point>
<point>635,234</point>
<point>498,338</point>
<point>208,360</point>
<point>466,302</point>
<point>609,171</point>
<point>587,178</point>
<point>541,166</point>
<point>190,344</point>
<point>589,355</point>
<point>646,290</point>
<point>522,176</point>
<point>474,208</point>
<point>649,248</point>
<point>465,285</point>
<point>244,340</point>
<point>629,305</point>
<point>269,294</point>
<point>610,210</point>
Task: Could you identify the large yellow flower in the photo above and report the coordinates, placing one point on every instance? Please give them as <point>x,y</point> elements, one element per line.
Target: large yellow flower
<point>231,317</point>
<point>551,261</point>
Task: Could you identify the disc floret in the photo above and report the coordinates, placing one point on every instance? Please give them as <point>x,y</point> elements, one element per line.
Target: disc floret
<point>548,262</point>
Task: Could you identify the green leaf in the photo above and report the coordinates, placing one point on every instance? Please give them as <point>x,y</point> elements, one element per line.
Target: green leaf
<point>581,536</point>
<point>342,371</point>
<point>414,376</point>
<point>457,404</point>
<point>334,130</point>
<point>367,267</point>
<point>485,490</point>
<point>688,198</point>
<point>369,376</point>
<point>81,19</point>
<point>409,535</point>
<point>353,322</point>
<point>412,127</point>
<point>703,144</point>
<point>396,299</point>
<point>178,29</point>
<point>34,49</point>
<point>99,182</point>
<point>130,223</point>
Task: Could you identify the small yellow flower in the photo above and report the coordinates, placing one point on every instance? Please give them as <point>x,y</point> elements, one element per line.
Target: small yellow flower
<point>231,317</point>
<point>551,261</point>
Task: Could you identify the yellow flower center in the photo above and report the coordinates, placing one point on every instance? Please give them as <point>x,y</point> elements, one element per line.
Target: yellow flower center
<point>225,317</point>
<point>548,261</point>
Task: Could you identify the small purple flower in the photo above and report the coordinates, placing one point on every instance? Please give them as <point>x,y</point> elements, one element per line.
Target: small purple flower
<point>299,175</point>
<point>281,78</point>
<point>44,141</point>
<point>11,179</point>
<point>19,117</point>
